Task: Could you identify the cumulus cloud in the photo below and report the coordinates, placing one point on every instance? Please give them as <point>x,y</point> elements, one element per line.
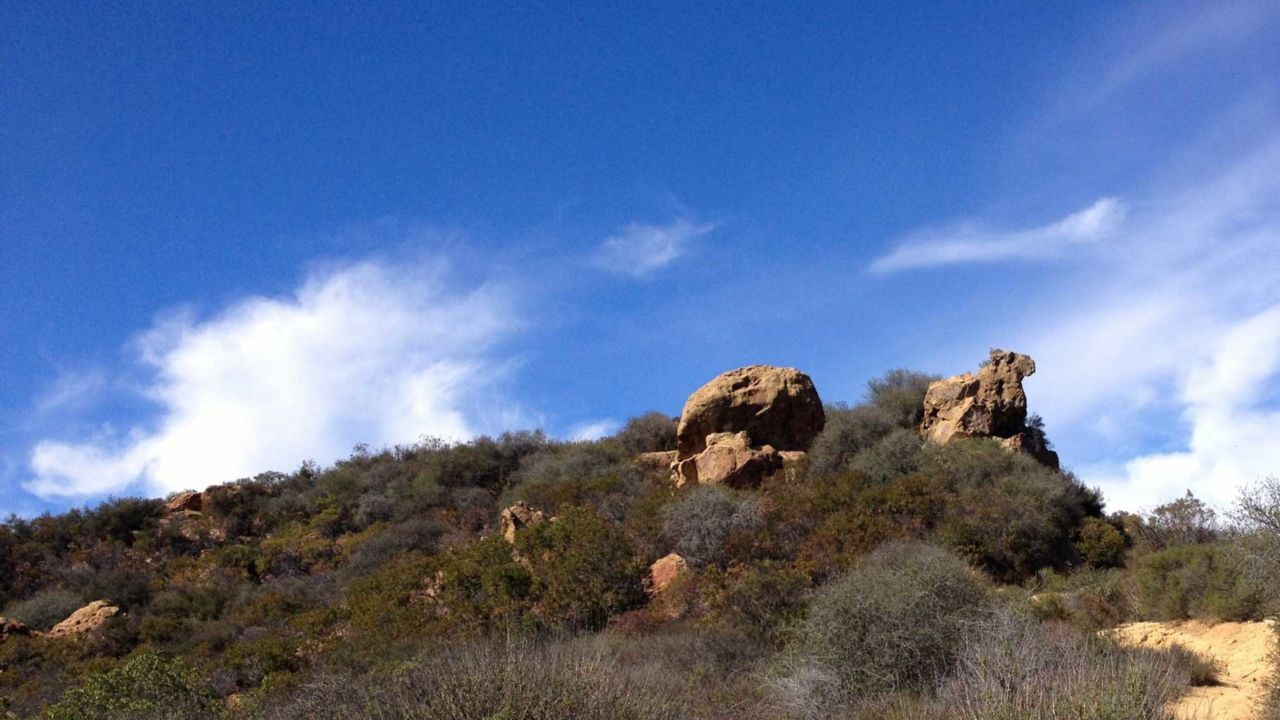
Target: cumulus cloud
<point>970,242</point>
<point>360,353</point>
<point>640,250</point>
<point>1172,342</point>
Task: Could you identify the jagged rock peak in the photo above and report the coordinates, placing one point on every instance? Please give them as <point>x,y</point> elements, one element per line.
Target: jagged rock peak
<point>989,403</point>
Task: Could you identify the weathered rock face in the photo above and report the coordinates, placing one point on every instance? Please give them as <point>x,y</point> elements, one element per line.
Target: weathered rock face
<point>735,429</point>
<point>10,627</point>
<point>774,406</point>
<point>88,619</point>
<point>990,403</point>
<point>519,516</point>
<point>185,501</point>
<point>728,459</point>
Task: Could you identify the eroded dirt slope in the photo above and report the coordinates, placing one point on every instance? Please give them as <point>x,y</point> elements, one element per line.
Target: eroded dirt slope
<point>1242,648</point>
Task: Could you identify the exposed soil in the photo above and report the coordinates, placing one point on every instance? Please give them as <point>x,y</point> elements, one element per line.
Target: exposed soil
<point>1242,648</point>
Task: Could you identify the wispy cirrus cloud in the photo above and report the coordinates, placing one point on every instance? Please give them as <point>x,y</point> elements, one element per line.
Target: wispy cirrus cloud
<point>593,430</point>
<point>640,250</point>
<point>365,352</point>
<point>972,242</point>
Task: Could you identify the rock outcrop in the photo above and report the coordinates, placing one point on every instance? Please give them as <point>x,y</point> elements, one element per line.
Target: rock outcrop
<point>734,428</point>
<point>728,459</point>
<point>989,403</point>
<point>88,619</point>
<point>519,516</point>
<point>10,627</point>
<point>185,501</point>
<point>773,405</point>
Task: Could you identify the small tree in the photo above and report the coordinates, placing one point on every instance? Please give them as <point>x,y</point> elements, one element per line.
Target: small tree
<point>1185,521</point>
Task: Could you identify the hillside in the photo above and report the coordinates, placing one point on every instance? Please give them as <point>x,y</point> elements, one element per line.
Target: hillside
<point>921,554</point>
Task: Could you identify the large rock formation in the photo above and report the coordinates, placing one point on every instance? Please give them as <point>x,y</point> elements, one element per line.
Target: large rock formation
<point>733,428</point>
<point>775,406</point>
<point>88,619</point>
<point>990,403</point>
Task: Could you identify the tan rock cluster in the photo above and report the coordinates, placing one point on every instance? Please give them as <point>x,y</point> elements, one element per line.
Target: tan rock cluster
<point>519,516</point>
<point>989,403</point>
<point>735,429</point>
<point>88,619</point>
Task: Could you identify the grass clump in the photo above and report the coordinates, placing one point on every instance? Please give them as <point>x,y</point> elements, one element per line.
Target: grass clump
<point>508,680</point>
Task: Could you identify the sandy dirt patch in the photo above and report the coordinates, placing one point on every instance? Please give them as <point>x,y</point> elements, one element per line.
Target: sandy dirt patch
<point>1242,648</point>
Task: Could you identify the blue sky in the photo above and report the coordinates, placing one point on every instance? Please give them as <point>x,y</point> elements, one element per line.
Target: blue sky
<point>233,238</point>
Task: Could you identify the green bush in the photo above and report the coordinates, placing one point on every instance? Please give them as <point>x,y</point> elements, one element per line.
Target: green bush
<point>897,620</point>
<point>46,608</point>
<point>758,600</point>
<point>900,395</point>
<point>847,432</point>
<point>1189,581</point>
<point>899,453</point>
<point>1101,543</point>
<point>1009,514</point>
<point>145,687</point>
<point>584,569</point>
<point>650,432</point>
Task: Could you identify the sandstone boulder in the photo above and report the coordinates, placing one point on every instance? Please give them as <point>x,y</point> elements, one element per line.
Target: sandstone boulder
<point>184,502</point>
<point>519,516</point>
<point>989,403</point>
<point>773,405</point>
<point>10,627</point>
<point>728,459</point>
<point>665,571</point>
<point>88,619</point>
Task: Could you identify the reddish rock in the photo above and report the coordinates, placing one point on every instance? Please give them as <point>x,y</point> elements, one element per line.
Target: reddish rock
<point>665,571</point>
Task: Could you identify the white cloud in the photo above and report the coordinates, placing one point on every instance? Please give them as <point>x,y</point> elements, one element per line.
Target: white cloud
<point>640,250</point>
<point>593,430</point>
<point>1163,362</point>
<point>360,353</point>
<point>1235,432</point>
<point>970,242</point>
